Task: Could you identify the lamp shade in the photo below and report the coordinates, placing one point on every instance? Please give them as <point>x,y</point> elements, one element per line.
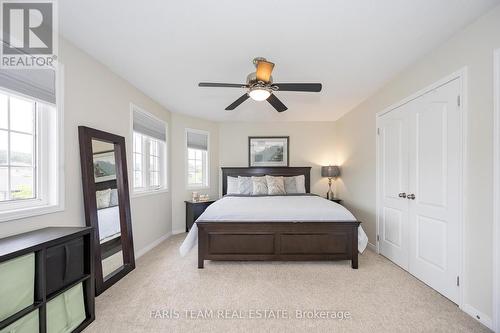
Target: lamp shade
<point>264,70</point>
<point>330,171</point>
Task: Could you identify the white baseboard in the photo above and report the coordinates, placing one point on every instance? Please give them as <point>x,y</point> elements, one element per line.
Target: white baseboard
<point>151,246</point>
<point>372,247</point>
<point>478,315</point>
<point>178,231</point>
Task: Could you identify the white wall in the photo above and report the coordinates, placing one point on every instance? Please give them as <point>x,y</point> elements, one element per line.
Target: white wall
<point>496,198</point>
<point>96,97</point>
<point>178,161</point>
<point>355,146</point>
<point>311,144</point>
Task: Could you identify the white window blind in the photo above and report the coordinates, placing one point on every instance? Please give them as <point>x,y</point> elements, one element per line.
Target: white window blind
<point>197,140</point>
<point>35,83</point>
<point>149,126</point>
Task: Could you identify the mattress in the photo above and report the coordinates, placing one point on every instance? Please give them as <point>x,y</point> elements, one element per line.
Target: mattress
<point>305,208</point>
<point>109,223</point>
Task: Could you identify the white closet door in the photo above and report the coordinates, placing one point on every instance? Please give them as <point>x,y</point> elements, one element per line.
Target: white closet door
<point>434,174</point>
<point>393,182</point>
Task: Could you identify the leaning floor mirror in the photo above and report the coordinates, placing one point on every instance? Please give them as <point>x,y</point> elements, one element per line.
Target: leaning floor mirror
<point>107,204</point>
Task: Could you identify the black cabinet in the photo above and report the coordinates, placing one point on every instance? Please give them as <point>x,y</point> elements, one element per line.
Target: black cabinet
<point>194,210</point>
<point>60,260</point>
<point>337,200</point>
<point>65,264</point>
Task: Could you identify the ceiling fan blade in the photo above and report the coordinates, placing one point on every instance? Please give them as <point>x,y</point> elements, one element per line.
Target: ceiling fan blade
<point>237,102</point>
<point>276,103</point>
<point>222,85</point>
<point>311,87</point>
<point>264,70</point>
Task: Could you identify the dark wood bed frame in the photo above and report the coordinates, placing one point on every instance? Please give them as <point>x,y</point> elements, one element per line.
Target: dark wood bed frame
<point>336,240</point>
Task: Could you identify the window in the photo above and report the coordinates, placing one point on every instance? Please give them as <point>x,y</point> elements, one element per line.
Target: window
<point>197,158</point>
<point>149,152</point>
<point>17,148</point>
<point>29,181</point>
<point>138,161</point>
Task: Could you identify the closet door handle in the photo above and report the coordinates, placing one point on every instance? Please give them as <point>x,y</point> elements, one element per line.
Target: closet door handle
<point>411,196</point>
<point>402,195</point>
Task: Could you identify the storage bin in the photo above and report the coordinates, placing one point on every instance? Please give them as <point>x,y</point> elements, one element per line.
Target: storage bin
<point>27,324</point>
<point>66,311</point>
<point>64,264</point>
<point>17,285</point>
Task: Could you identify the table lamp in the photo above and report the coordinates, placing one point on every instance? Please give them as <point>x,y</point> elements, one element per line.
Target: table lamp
<point>332,172</point>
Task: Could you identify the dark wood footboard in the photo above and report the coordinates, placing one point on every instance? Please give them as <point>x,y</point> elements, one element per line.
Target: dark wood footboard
<point>111,247</point>
<point>278,241</point>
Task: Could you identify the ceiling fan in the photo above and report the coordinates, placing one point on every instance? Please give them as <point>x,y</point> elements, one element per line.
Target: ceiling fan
<point>261,87</point>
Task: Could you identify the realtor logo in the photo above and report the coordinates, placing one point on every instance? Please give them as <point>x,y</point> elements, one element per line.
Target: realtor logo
<point>28,34</point>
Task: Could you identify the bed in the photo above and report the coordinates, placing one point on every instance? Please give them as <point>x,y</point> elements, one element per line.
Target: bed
<point>292,227</point>
<point>109,224</point>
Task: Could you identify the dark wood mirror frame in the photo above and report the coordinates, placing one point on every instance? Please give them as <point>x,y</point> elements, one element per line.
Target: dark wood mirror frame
<point>86,135</point>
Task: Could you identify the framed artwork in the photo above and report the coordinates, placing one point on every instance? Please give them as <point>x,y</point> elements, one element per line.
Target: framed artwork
<point>268,151</point>
<point>104,166</point>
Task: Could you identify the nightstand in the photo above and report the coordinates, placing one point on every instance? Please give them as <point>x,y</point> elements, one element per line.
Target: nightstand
<point>194,210</point>
<point>337,200</point>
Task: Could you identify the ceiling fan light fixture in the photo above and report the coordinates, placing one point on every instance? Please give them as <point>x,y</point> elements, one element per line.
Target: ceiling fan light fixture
<point>259,94</point>
<point>260,86</point>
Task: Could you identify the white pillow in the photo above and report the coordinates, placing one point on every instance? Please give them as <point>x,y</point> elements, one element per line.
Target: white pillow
<point>290,184</point>
<point>113,198</point>
<point>301,183</point>
<point>245,185</point>
<point>259,186</point>
<point>102,198</point>
<point>232,185</point>
<point>275,185</point>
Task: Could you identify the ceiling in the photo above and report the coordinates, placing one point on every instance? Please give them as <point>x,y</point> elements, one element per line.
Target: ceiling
<point>165,48</point>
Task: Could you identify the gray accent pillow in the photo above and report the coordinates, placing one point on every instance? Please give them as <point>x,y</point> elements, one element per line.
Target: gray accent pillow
<point>232,185</point>
<point>275,185</point>
<point>245,185</point>
<point>290,185</point>
<point>259,185</point>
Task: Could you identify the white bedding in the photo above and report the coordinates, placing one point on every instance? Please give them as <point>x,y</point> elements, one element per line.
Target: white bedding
<point>109,223</point>
<point>273,208</point>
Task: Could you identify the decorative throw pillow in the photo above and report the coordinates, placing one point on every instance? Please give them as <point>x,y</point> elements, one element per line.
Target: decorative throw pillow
<point>301,183</point>
<point>245,185</point>
<point>232,185</point>
<point>290,184</point>
<point>259,185</point>
<point>275,185</point>
<point>102,198</point>
<point>113,198</point>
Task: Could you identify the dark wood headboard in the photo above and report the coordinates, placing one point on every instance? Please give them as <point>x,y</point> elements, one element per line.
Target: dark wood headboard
<point>262,171</point>
<point>105,185</point>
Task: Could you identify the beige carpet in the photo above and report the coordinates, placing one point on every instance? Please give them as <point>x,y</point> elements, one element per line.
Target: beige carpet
<point>379,297</point>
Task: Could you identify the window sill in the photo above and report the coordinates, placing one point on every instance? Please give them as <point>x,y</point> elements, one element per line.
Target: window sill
<point>147,193</point>
<point>21,213</point>
<point>201,187</point>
